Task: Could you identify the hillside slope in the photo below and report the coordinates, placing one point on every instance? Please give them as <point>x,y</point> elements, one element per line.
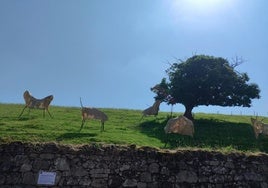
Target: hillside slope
<point>212,131</point>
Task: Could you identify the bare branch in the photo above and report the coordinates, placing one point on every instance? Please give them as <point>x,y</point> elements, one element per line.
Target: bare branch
<point>236,61</point>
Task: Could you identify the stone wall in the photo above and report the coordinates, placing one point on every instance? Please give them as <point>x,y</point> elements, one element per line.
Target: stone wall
<point>128,166</point>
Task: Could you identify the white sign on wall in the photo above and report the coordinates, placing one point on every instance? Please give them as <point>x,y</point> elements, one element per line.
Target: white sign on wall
<point>46,178</point>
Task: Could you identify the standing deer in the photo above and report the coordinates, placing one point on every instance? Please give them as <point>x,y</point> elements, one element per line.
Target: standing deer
<point>33,103</point>
<point>92,113</point>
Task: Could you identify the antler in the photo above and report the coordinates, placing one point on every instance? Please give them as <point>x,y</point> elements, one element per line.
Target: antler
<point>81,102</point>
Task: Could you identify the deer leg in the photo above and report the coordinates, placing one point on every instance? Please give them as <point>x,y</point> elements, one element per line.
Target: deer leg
<point>156,119</point>
<point>83,121</point>
<point>166,140</point>
<point>102,126</point>
<point>49,114</point>
<point>22,111</point>
<point>142,117</point>
<point>44,113</point>
<point>29,111</point>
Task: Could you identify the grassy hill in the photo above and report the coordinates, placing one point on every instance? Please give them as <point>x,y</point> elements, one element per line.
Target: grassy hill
<point>212,131</point>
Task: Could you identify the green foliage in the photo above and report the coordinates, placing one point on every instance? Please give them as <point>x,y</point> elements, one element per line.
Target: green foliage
<point>208,80</point>
<point>213,132</point>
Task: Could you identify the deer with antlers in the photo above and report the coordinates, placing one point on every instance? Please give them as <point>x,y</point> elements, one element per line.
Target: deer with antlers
<point>33,103</point>
<point>92,113</point>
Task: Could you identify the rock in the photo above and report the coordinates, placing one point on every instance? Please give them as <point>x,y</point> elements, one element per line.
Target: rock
<point>99,183</point>
<point>26,168</point>
<point>264,185</point>
<point>229,164</point>
<point>85,182</point>
<point>130,183</point>
<point>29,179</point>
<point>253,177</point>
<point>62,164</point>
<point>142,185</point>
<point>2,179</point>
<point>47,156</point>
<point>154,168</point>
<point>79,171</point>
<point>146,177</point>
<point>125,167</point>
<point>187,176</point>
<point>41,164</point>
<point>214,163</point>
<point>164,171</point>
<point>100,171</point>
<point>5,166</point>
<point>115,181</point>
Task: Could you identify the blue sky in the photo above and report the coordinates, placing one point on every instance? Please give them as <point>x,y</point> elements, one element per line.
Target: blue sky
<point>111,53</point>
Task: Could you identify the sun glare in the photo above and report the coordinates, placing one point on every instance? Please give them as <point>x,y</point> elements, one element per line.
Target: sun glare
<point>192,10</point>
<point>203,5</point>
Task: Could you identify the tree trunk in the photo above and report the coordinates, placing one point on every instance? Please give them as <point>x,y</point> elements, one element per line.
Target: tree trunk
<point>171,112</point>
<point>188,112</point>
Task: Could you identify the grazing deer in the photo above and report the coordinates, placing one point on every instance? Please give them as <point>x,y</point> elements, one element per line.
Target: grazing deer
<point>259,127</point>
<point>92,113</point>
<point>152,110</point>
<point>33,103</point>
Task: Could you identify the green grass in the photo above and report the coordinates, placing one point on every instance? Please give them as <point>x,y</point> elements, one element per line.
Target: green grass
<point>212,131</point>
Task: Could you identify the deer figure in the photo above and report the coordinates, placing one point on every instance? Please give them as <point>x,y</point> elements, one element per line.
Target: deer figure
<point>259,127</point>
<point>92,113</point>
<point>152,110</point>
<point>33,103</point>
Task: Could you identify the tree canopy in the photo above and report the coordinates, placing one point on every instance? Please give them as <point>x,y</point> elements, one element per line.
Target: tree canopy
<point>206,80</point>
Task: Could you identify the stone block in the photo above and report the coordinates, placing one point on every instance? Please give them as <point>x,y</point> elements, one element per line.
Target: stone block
<point>186,176</point>
<point>26,168</point>
<point>154,168</point>
<point>29,179</point>
<point>146,177</point>
<point>62,164</point>
<point>130,183</point>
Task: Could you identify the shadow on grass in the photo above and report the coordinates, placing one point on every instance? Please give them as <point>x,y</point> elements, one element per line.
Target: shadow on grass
<point>16,118</point>
<point>209,133</point>
<point>70,136</point>
<point>24,118</point>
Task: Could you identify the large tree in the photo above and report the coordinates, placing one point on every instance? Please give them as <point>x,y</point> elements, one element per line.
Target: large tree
<point>207,80</point>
